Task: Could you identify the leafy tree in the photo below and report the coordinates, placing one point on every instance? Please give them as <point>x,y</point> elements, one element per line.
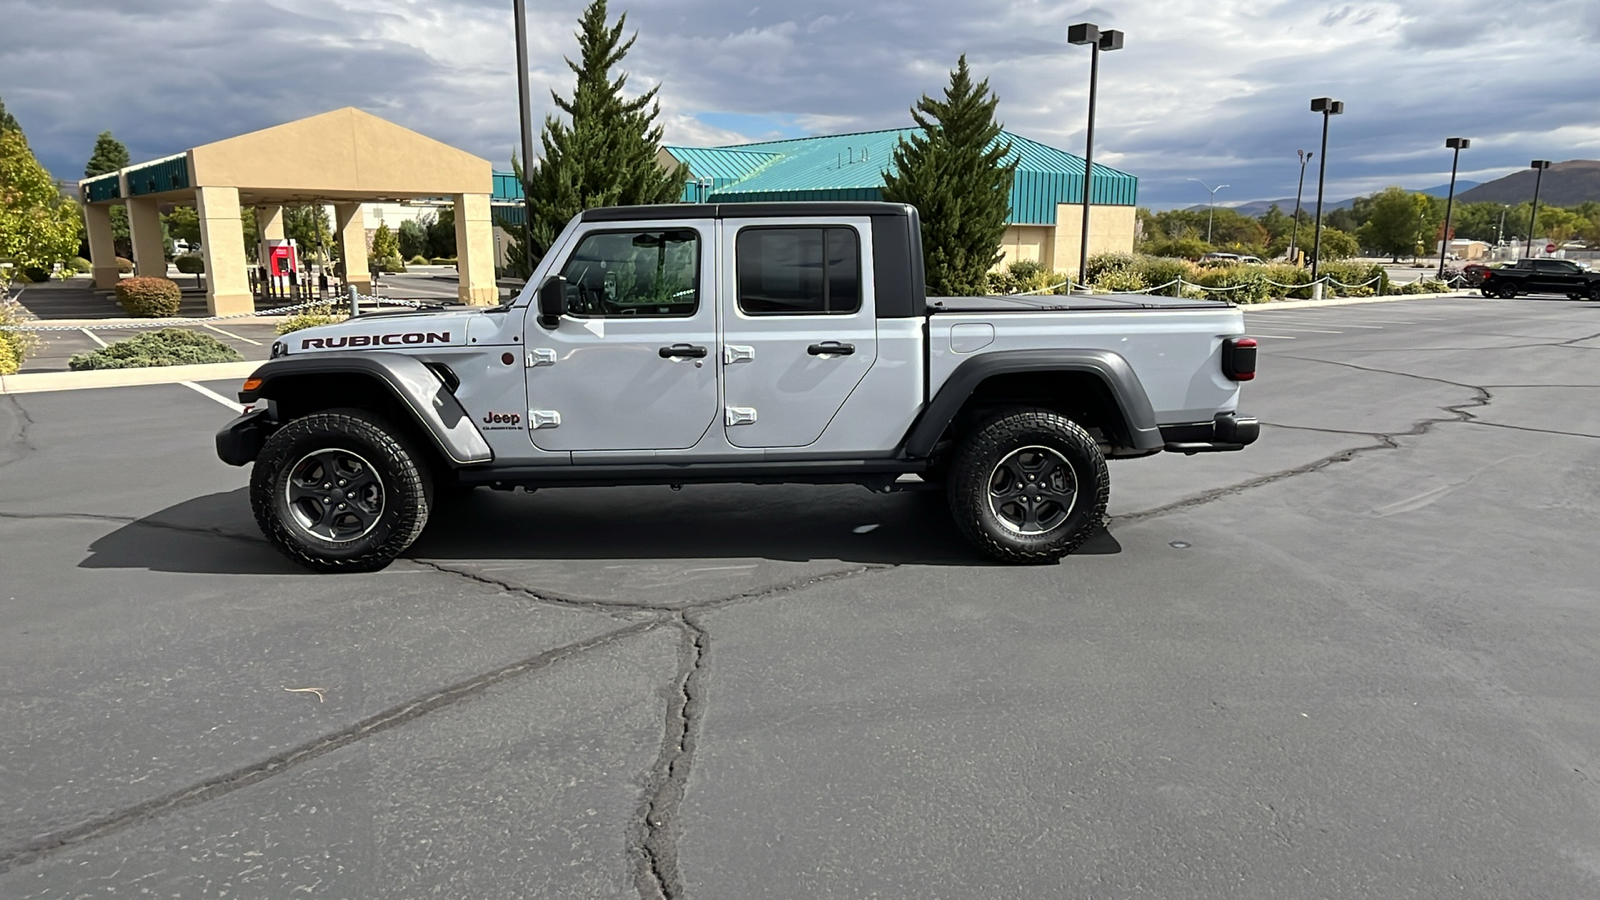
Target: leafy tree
<point>606,155</point>
<point>37,227</point>
<point>309,228</point>
<point>385,247</point>
<point>8,122</point>
<point>1477,221</point>
<point>442,235</point>
<point>183,223</point>
<point>1401,223</point>
<point>954,172</point>
<point>1336,244</point>
<point>109,155</point>
<point>1187,247</point>
<point>1557,224</point>
<point>413,235</point>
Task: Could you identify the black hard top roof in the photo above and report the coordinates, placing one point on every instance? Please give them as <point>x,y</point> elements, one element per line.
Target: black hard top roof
<point>744,210</point>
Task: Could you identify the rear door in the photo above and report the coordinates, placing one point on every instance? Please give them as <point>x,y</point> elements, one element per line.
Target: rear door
<point>799,326</point>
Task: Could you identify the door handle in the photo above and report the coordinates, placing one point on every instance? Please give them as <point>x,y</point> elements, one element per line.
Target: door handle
<point>831,348</point>
<point>682,351</point>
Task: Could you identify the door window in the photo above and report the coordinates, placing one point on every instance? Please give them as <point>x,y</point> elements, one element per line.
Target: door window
<point>634,273</point>
<point>799,271</point>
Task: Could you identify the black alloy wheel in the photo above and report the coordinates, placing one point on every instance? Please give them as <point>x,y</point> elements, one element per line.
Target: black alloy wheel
<point>1029,486</point>
<point>341,491</point>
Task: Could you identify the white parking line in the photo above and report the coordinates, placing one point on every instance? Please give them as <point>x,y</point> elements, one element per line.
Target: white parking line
<point>1287,327</point>
<point>1340,324</point>
<point>207,392</point>
<point>237,337</point>
<point>1275,337</point>
<point>94,337</point>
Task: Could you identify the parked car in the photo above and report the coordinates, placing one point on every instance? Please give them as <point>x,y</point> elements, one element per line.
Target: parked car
<point>1472,274</point>
<point>760,343</point>
<point>1541,276</point>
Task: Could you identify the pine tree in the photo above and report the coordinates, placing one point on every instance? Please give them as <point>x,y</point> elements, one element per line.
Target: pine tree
<point>109,155</point>
<point>606,155</point>
<point>954,172</point>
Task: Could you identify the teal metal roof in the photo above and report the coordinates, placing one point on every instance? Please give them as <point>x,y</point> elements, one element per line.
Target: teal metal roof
<point>170,174</point>
<point>851,167</point>
<point>102,188</point>
<point>506,188</point>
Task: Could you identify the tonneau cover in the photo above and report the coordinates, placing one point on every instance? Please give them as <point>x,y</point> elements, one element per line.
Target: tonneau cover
<point>1065,303</point>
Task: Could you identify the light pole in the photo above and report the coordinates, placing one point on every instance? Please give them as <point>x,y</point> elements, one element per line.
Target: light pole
<point>1458,145</point>
<point>1210,206</point>
<point>1538,166</point>
<point>520,13</point>
<point>1097,40</point>
<point>1328,107</point>
<point>1294,236</point>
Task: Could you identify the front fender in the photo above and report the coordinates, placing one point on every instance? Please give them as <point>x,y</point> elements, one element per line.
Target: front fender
<point>417,389</point>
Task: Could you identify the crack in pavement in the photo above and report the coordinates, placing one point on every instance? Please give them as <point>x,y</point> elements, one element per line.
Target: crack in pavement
<point>212,788</point>
<point>1385,441</point>
<point>18,446</point>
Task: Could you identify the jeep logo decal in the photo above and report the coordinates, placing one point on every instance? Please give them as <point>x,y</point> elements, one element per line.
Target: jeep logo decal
<point>376,340</point>
<point>495,418</point>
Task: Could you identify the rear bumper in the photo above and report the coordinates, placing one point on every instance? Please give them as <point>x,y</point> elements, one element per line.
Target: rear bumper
<point>240,441</point>
<point>1227,431</point>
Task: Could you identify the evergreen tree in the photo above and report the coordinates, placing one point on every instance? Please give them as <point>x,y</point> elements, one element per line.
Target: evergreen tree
<point>954,172</point>
<point>109,155</point>
<point>7,121</point>
<point>606,154</point>
<point>386,249</point>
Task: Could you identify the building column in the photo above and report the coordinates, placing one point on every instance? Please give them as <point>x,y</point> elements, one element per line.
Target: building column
<point>222,248</point>
<point>352,231</point>
<point>475,251</point>
<point>144,226</point>
<point>102,249</point>
<point>269,227</point>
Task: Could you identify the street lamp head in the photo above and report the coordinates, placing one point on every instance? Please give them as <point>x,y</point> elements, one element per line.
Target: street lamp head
<point>1539,164</point>
<point>1457,143</point>
<point>1083,33</point>
<point>1328,106</point>
<point>1110,40</point>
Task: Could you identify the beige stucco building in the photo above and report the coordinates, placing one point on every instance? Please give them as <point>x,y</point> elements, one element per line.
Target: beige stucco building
<point>344,158</point>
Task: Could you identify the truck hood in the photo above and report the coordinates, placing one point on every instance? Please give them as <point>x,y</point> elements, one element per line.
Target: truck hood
<point>385,331</point>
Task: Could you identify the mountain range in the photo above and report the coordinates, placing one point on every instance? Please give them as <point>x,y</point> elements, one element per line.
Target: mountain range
<point>1565,184</point>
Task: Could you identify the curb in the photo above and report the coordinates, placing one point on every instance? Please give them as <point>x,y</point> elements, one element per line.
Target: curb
<point>36,382</point>
<point>1350,301</point>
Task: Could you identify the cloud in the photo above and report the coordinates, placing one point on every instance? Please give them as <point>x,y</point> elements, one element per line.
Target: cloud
<point>1204,88</point>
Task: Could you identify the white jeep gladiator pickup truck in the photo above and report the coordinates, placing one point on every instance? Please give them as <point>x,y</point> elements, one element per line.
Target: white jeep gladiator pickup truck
<point>747,343</point>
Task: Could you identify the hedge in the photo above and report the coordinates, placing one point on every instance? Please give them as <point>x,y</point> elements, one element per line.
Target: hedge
<point>311,318</point>
<point>149,297</point>
<point>14,345</point>
<point>167,347</point>
<point>125,266</point>
<point>190,263</point>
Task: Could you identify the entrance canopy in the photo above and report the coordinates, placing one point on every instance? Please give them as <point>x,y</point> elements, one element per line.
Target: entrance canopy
<point>346,157</point>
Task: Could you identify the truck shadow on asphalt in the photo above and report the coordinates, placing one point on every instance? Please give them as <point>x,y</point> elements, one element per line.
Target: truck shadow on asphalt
<point>216,534</point>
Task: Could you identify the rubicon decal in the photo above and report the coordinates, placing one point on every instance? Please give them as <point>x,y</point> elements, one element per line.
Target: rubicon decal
<point>498,421</point>
<point>375,340</point>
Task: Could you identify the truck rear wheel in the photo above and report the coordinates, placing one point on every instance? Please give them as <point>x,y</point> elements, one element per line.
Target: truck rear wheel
<point>1029,486</point>
<point>1506,291</point>
<point>340,491</point>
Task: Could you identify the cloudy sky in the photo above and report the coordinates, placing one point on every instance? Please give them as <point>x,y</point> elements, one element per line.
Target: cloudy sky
<point>1210,89</point>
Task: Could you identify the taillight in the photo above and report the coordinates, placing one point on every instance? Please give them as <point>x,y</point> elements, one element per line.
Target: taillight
<point>1239,358</point>
<point>1487,274</point>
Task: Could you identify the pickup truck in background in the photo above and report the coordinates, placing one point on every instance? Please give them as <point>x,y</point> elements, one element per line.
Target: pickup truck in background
<point>1541,276</point>
<point>735,343</point>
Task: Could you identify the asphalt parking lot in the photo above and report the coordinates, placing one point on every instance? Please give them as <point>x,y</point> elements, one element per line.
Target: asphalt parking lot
<point>1358,659</point>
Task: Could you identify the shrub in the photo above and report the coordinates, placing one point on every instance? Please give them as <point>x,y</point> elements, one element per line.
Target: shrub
<point>443,261</point>
<point>1287,274</point>
<point>36,274</point>
<point>1156,271</point>
<point>1236,284</point>
<point>1101,263</point>
<point>389,264</point>
<point>1184,247</point>
<point>14,345</point>
<point>167,347</point>
<point>418,260</point>
<point>1119,280</point>
<point>190,263</point>
<point>311,318</point>
<point>125,266</point>
<point>1354,273</point>
<point>79,264</point>
<point>152,297</point>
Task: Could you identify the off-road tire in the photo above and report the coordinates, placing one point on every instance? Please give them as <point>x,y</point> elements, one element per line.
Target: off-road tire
<point>1506,292</point>
<point>402,471</point>
<point>1594,293</point>
<point>976,466</point>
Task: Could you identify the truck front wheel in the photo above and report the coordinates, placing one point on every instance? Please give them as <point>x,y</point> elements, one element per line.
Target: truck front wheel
<point>1029,486</point>
<point>340,491</point>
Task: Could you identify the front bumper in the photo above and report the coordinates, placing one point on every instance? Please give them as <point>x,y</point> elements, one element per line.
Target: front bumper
<point>240,441</point>
<point>1227,431</point>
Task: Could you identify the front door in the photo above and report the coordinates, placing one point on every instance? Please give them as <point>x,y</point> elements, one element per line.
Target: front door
<point>633,363</point>
<point>799,326</point>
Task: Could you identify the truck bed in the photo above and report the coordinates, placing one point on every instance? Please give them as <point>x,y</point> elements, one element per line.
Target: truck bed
<point>1060,303</point>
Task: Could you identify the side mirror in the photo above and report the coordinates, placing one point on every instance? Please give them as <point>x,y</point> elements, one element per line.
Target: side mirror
<point>552,302</point>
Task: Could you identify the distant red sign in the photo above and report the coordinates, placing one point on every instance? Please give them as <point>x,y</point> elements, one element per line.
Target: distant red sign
<point>1549,248</point>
